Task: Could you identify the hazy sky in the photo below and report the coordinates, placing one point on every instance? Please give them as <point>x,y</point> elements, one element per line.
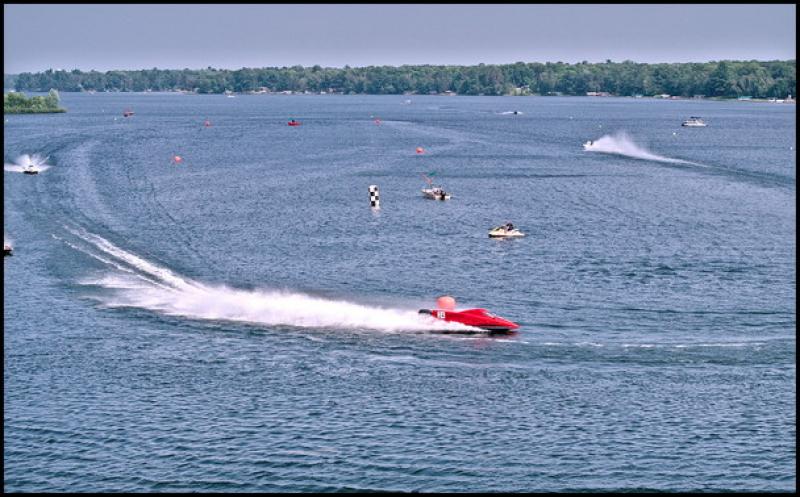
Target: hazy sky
<point>104,37</point>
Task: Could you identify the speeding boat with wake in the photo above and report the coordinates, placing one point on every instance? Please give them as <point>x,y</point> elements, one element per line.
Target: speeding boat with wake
<point>7,250</point>
<point>588,145</point>
<point>478,318</point>
<point>30,169</point>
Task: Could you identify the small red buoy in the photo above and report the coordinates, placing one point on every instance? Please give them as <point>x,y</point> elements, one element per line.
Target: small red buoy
<point>177,159</point>
<point>420,150</point>
<point>207,124</point>
<point>377,121</point>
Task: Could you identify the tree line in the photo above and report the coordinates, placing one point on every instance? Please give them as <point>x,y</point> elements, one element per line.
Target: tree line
<point>759,79</point>
<point>17,103</point>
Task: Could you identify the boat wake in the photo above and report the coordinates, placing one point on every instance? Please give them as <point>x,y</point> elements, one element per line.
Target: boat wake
<point>622,144</point>
<point>25,161</point>
<point>138,283</point>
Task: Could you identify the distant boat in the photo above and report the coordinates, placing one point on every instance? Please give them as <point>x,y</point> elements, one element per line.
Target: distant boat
<point>436,193</point>
<point>694,122</point>
<point>30,169</point>
<point>505,231</point>
<point>293,123</point>
<point>127,113</point>
<point>7,250</point>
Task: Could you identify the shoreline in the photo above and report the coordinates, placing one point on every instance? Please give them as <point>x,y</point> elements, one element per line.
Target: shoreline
<point>411,95</point>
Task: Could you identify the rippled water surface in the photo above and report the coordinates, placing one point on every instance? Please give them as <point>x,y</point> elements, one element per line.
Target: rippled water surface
<point>243,321</point>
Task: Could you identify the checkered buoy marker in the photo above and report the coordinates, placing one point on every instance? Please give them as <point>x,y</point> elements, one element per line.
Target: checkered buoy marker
<point>374,197</point>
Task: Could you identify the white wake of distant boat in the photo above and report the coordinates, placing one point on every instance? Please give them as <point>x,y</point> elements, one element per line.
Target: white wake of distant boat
<point>622,144</point>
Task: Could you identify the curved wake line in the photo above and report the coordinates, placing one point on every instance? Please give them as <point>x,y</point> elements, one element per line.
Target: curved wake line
<point>622,144</point>
<point>25,161</point>
<point>136,282</point>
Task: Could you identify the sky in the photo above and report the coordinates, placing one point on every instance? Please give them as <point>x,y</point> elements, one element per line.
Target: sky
<point>143,36</point>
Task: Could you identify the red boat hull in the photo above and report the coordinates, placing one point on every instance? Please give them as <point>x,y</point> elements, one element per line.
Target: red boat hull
<point>479,318</point>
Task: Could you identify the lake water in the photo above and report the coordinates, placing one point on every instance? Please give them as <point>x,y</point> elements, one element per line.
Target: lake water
<point>243,321</point>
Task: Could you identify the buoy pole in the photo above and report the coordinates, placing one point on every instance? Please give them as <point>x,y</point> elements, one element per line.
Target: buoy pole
<point>374,197</point>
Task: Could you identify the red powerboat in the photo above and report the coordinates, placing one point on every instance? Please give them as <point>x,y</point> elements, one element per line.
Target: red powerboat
<point>294,123</point>
<point>479,318</point>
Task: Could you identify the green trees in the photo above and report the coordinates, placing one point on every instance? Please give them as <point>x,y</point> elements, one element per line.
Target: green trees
<point>17,103</point>
<point>720,79</point>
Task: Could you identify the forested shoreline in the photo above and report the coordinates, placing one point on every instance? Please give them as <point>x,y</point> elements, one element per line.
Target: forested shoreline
<point>727,79</point>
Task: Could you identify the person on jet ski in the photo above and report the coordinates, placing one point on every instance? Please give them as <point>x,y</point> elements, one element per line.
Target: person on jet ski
<point>509,226</point>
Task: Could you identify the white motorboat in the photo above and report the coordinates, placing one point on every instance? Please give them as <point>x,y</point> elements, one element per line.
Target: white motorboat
<point>30,169</point>
<point>436,193</point>
<point>505,231</point>
<point>694,122</point>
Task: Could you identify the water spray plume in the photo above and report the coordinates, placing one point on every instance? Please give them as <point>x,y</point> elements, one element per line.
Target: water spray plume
<point>622,144</point>
<point>133,281</point>
<point>25,161</point>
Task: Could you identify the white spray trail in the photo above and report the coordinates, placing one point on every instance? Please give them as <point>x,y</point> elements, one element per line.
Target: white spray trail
<point>622,144</point>
<point>139,283</point>
<point>25,161</point>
